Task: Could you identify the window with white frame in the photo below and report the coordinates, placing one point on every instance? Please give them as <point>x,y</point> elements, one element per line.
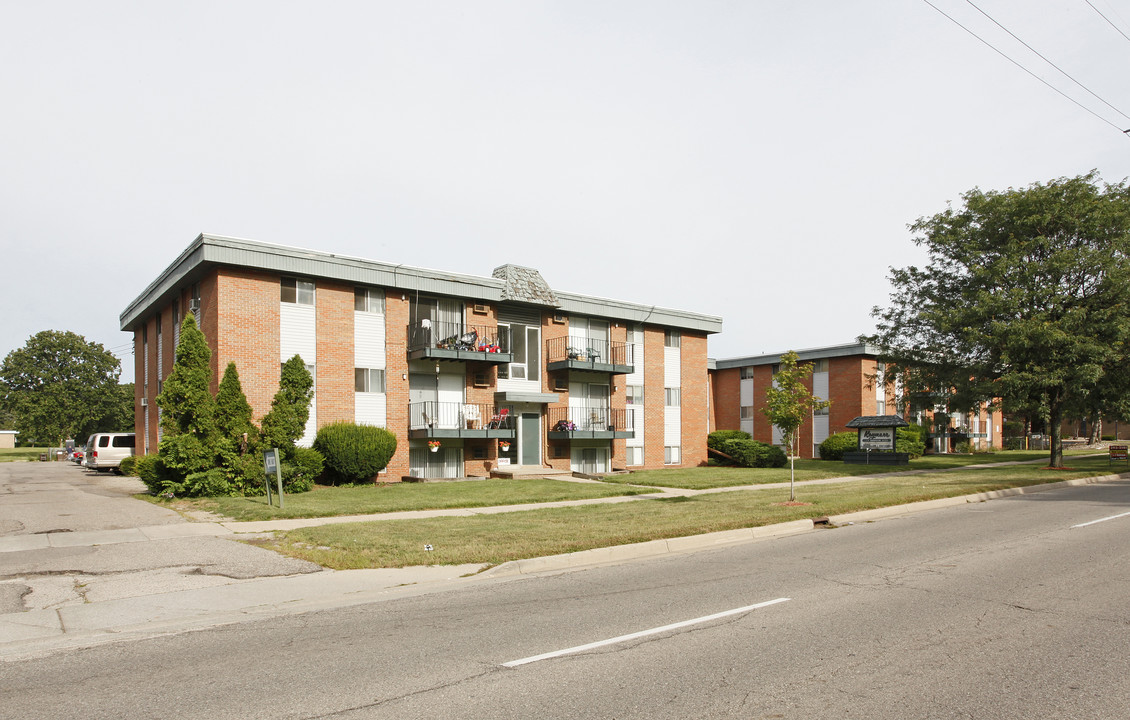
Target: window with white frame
<point>747,412</point>
<point>674,396</point>
<point>369,380</point>
<point>635,456</point>
<point>299,292</point>
<point>369,300</point>
<point>747,373</point>
<point>672,338</point>
<point>671,455</point>
<point>633,394</point>
<point>523,342</point>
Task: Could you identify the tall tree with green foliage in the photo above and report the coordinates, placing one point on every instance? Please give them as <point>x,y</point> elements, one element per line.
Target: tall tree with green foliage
<point>286,421</point>
<point>233,412</point>
<point>789,403</point>
<point>188,410</point>
<point>60,386</point>
<point>1026,298</point>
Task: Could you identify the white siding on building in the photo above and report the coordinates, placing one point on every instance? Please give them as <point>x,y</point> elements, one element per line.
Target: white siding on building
<point>745,393</point>
<point>370,408</point>
<point>672,378</point>
<point>298,336</point>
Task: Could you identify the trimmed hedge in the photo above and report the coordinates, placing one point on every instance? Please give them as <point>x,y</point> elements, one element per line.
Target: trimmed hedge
<point>834,446</point>
<point>718,439</point>
<point>754,454</point>
<point>354,453</point>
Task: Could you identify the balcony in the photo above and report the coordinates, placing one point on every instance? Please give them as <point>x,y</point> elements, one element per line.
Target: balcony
<point>459,420</point>
<point>455,341</point>
<point>593,355</point>
<point>590,423</point>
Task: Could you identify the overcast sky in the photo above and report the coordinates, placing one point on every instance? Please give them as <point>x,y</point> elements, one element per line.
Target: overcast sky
<point>755,160</point>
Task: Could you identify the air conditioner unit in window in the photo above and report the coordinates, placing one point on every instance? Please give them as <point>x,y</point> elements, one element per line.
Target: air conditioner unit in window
<point>480,309</point>
<point>193,305</point>
<point>144,402</point>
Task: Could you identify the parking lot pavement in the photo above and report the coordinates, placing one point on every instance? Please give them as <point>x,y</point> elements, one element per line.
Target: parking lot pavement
<point>70,536</point>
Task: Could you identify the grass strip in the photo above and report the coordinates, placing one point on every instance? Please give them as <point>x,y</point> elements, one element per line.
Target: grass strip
<point>398,497</point>
<point>701,479</point>
<point>495,539</point>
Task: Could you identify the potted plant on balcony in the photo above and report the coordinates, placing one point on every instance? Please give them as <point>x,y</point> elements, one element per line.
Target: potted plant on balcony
<point>503,446</point>
<point>433,445</point>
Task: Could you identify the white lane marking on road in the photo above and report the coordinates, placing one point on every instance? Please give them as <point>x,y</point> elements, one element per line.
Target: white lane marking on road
<point>1093,522</point>
<point>642,633</point>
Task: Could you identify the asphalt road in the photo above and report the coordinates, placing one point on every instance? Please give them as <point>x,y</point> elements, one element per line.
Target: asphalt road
<point>1008,609</point>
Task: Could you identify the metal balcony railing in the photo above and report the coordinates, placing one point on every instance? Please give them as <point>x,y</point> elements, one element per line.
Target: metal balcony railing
<point>580,353</point>
<point>590,419</point>
<point>431,415</point>
<point>426,334</point>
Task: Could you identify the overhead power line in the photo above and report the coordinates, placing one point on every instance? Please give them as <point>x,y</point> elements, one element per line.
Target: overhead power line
<point>1109,22</point>
<point>1049,62</point>
<point>1124,133</point>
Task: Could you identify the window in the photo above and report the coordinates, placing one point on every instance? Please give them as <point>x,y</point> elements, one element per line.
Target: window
<point>674,396</point>
<point>747,412</point>
<point>820,412</point>
<point>820,365</point>
<point>747,373</point>
<point>671,455</point>
<point>672,339</point>
<point>635,456</point>
<point>368,300</point>
<point>300,292</point>
<point>368,380</point>
<point>523,341</point>
<point>634,394</point>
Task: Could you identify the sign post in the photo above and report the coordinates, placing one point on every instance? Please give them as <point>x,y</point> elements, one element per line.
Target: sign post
<point>272,466</point>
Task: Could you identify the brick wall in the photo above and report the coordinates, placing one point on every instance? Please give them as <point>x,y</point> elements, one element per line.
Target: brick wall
<point>247,318</point>
<point>695,400</point>
<point>335,382</point>
<point>654,398</point>
<point>396,379</point>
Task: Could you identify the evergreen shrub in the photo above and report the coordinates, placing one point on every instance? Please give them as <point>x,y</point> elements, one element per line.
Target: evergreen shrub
<point>751,453</point>
<point>834,446</point>
<point>717,439</point>
<point>354,453</point>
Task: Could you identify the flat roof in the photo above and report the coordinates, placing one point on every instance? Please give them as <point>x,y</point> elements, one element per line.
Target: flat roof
<point>208,251</point>
<point>819,353</point>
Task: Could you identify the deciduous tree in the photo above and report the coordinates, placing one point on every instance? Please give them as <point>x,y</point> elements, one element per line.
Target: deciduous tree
<point>789,403</point>
<point>1026,298</point>
<point>60,386</point>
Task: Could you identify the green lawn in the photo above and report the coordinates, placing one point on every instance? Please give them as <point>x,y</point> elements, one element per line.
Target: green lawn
<point>715,477</point>
<point>396,497</point>
<point>494,539</point>
<point>21,454</point>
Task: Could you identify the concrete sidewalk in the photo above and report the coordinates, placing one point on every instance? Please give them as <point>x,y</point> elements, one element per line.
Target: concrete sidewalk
<point>39,632</point>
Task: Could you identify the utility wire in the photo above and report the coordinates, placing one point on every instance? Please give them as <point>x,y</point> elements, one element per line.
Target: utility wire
<point>1125,133</point>
<point>1049,62</point>
<point>1104,17</point>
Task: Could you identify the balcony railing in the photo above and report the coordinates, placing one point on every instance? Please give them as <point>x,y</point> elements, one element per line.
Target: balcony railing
<point>453,419</point>
<point>455,341</point>
<point>590,422</point>
<point>568,353</point>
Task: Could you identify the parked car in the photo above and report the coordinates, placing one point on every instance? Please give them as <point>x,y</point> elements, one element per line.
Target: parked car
<point>104,451</point>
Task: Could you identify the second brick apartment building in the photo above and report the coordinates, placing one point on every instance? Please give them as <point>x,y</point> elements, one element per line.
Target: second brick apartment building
<point>849,375</point>
<point>495,373</point>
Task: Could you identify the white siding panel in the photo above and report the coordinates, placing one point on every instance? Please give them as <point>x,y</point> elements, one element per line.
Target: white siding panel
<point>820,385</point>
<point>370,409</point>
<point>368,340</point>
<point>746,392</point>
<point>672,367</point>
<point>297,334</point>
<point>819,433</point>
<point>672,426</point>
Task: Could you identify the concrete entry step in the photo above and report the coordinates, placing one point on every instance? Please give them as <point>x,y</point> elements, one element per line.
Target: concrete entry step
<point>530,471</point>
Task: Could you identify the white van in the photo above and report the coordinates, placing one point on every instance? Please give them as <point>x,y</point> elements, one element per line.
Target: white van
<point>104,451</point>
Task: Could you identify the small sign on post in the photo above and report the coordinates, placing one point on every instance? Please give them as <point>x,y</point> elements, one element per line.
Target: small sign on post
<point>272,466</point>
<point>1119,452</point>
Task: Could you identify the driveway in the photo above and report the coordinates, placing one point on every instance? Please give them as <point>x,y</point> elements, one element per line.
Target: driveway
<point>105,544</point>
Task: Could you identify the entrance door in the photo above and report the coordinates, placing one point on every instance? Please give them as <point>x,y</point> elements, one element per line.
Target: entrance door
<point>529,433</point>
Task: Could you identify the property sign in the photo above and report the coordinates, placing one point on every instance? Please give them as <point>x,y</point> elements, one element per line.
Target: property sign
<point>877,438</point>
<point>1118,452</point>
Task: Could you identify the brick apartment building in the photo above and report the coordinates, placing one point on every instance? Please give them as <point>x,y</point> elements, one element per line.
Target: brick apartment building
<point>503,372</point>
<point>848,375</point>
